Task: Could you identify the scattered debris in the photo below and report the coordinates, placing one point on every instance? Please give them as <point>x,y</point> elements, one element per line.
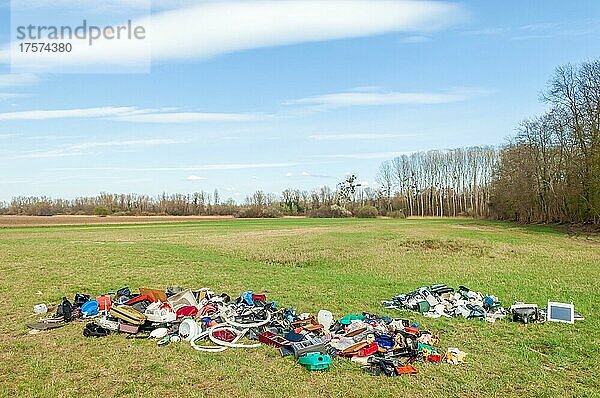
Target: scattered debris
<point>441,300</point>
<point>213,323</point>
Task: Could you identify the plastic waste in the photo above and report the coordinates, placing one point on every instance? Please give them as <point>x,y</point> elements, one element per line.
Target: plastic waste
<point>315,361</point>
<point>40,308</point>
<point>325,318</point>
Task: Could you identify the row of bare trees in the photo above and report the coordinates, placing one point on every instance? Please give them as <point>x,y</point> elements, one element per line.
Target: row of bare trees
<point>440,183</point>
<point>290,202</point>
<point>199,203</point>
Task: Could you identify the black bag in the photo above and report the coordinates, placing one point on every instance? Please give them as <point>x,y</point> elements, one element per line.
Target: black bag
<point>65,310</point>
<point>80,299</point>
<point>93,330</point>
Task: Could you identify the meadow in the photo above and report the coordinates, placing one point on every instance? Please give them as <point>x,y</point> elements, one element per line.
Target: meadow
<point>343,265</point>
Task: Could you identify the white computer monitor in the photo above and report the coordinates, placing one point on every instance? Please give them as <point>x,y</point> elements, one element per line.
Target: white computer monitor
<point>561,312</point>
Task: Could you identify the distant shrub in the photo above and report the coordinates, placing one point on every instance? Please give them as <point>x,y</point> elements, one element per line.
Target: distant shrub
<point>396,214</point>
<point>323,211</point>
<point>366,212</point>
<point>340,212</point>
<point>257,212</point>
<point>101,211</point>
<point>271,212</point>
<point>333,211</point>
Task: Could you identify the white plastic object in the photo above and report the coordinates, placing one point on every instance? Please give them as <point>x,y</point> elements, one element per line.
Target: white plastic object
<point>159,333</point>
<point>325,318</point>
<point>189,330</point>
<point>40,308</point>
<point>160,315</point>
<point>182,299</point>
<point>107,323</point>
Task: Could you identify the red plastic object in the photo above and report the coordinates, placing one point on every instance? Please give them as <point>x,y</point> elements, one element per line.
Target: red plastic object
<point>137,299</point>
<point>104,303</point>
<point>224,335</point>
<point>271,338</point>
<point>411,329</point>
<point>260,297</point>
<point>369,350</point>
<point>187,310</point>
<point>433,358</point>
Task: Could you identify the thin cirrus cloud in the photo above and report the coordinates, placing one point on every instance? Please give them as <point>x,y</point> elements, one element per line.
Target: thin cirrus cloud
<point>367,155</point>
<point>204,167</point>
<point>85,148</point>
<point>352,98</point>
<point>543,30</point>
<point>18,79</point>
<point>130,114</point>
<point>361,136</point>
<point>195,178</point>
<point>212,28</point>
<point>416,39</point>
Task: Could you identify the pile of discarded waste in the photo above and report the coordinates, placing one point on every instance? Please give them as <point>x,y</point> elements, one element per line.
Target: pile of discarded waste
<point>210,322</point>
<point>442,300</point>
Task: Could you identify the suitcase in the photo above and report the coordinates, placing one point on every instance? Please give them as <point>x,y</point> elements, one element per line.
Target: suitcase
<point>127,314</point>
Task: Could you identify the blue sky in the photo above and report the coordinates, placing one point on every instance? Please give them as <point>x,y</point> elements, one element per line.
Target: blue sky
<point>298,107</point>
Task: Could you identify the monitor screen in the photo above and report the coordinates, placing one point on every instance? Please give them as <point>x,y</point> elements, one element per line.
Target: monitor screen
<point>560,312</point>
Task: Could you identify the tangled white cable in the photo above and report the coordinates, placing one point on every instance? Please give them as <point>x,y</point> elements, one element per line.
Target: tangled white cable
<point>233,343</point>
<point>249,325</point>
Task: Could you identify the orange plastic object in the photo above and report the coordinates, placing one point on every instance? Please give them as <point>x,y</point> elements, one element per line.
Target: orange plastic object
<point>406,370</point>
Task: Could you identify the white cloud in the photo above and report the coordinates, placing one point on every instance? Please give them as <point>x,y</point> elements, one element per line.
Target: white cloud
<point>130,114</point>
<point>368,155</point>
<point>543,30</point>
<point>188,117</point>
<point>306,174</point>
<point>357,136</point>
<point>66,113</point>
<point>18,79</point>
<point>205,167</point>
<point>212,28</point>
<point>195,178</point>
<point>6,96</point>
<point>12,80</point>
<point>416,39</point>
<point>4,55</point>
<point>372,99</point>
<point>85,147</point>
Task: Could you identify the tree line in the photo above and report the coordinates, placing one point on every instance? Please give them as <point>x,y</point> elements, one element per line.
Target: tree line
<point>435,183</point>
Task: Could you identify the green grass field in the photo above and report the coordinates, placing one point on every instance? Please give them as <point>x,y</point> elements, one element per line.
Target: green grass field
<point>345,266</point>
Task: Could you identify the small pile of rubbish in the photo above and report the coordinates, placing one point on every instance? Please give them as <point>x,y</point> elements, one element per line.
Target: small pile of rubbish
<point>212,322</point>
<point>441,300</point>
